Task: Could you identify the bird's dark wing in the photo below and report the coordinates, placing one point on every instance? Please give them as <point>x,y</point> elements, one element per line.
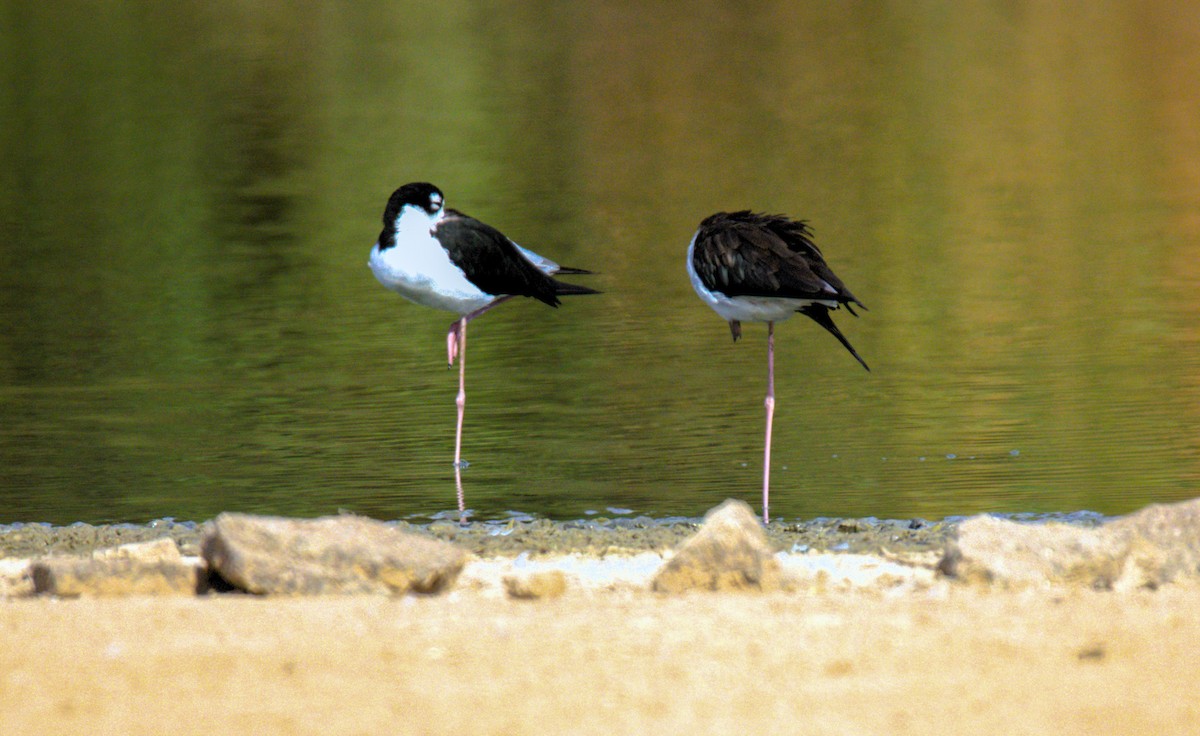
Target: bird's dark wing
<point>748,254</point>
<point>491,261</point>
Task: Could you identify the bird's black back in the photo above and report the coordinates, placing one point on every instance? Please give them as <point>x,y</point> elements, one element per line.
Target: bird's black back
<point>750,254</point>
<point>492,262</point>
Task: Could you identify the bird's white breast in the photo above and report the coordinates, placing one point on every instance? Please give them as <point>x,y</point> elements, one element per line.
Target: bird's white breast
<point>420,270</point>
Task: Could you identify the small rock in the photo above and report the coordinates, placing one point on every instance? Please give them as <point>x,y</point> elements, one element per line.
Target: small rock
<point>729,552</point>
<point>155,550</point>
<point>16,578</point>
<point>545,584</point>
<point>331,555</point>
<point>139,568</point>
<point>71,577</point>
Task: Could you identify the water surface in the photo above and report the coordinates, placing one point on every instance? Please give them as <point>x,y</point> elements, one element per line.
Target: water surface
<point>188,195</point>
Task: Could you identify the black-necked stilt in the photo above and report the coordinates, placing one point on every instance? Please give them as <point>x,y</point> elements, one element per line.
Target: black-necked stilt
<point>764,268</point>
<point>441,258</point>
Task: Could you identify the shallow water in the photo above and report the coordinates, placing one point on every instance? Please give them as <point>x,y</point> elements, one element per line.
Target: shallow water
<point>188,195</point>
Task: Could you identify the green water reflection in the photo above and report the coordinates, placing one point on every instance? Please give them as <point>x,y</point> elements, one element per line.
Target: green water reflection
<point>188,193</point>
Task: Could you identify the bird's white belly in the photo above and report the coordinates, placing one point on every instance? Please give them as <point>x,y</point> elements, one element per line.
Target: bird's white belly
<point>417,273</point>
<point>753,308</point>
<point>744,308</point>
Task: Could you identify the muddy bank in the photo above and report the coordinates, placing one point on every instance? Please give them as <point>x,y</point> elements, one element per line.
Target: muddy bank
<point>588,536</point>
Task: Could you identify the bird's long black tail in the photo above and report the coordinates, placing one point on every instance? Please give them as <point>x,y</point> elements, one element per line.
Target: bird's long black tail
<point>819,313</point>
<point>562,288</point>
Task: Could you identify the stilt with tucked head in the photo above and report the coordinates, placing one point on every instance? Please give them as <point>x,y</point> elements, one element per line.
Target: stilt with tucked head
<point>765,268</point>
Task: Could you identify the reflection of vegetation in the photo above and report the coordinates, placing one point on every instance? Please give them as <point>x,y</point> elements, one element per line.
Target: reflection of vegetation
<point>191,193</point>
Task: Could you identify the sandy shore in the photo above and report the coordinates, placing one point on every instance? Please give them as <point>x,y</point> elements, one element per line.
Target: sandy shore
<point>926,659</point>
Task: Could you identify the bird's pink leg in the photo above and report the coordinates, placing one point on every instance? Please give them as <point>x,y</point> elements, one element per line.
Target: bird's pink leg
<point>456,347</point>
<point>452,342</point>
<point>458,324</point>
<point>462,511</point>
<point>770,404</point>
<point>461,402</point>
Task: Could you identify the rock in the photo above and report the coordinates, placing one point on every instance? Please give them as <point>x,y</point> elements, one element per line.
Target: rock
<point>545,584</point>
<point>70,577</point>
<point>729,552</point>
<point>1163,545</point>
<point>141,568</point>
<point>16,578</point>
<point>1154,546</point>
<point>156,550</point>
<point>332,555</point>
<point>991,550</point>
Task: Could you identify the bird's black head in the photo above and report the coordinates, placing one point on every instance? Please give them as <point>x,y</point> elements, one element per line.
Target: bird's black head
<point>416,194</point>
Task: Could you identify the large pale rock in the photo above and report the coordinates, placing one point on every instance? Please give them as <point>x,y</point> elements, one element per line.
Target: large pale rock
<point>1152,547</point>
<point>991,550</point>
<point>332,555</point>
<point>144,568</point>
<point>729,552</point>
